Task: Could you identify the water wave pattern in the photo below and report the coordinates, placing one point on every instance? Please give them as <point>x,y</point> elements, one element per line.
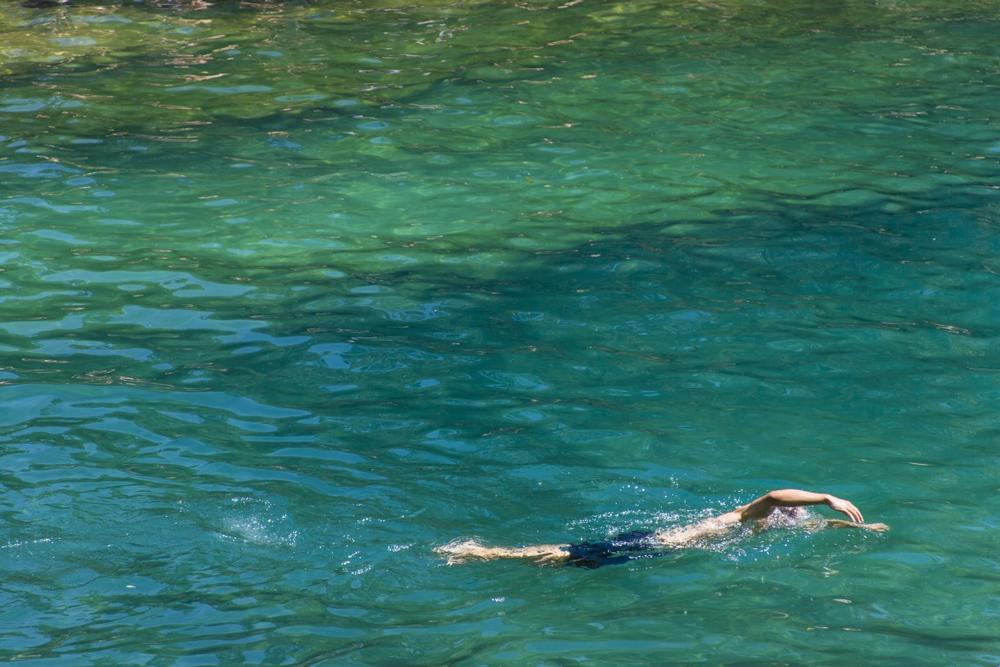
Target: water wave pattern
<point>291,293</point>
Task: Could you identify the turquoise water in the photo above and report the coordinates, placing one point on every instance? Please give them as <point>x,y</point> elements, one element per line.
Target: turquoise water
<point>292,293</point>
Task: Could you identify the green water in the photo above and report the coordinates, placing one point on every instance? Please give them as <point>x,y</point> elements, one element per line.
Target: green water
<point>291,293</point>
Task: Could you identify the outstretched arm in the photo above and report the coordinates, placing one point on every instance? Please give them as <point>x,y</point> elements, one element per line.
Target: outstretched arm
<point>760,509</point>
<point>840,523</point>
<point>763,506</point>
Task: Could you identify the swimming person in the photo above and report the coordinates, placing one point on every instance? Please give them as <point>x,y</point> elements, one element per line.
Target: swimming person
<point>776,508</point>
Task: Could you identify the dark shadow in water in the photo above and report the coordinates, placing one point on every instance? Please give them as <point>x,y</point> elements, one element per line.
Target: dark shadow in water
<point>616,295</point>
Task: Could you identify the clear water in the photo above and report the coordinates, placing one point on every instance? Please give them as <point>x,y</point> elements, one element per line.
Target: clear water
<point>291,293</point>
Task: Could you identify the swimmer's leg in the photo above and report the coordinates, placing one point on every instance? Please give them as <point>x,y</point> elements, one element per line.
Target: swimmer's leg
<point>460,551</point>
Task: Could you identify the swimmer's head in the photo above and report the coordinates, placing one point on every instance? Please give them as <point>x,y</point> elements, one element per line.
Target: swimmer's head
<point>787,516</point>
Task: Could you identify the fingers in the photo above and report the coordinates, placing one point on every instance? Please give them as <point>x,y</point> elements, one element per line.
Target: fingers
<point>848,508</point>
<point>853,512</point>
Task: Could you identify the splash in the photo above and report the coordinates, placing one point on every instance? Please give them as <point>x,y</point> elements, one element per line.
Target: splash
<point>24,543</point>
<point>257,522</point>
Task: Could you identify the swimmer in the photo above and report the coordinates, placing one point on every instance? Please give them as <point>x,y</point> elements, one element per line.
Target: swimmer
<point>777,508</point>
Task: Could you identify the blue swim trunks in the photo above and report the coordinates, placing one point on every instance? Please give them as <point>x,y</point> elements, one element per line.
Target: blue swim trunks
<point>619,549</point>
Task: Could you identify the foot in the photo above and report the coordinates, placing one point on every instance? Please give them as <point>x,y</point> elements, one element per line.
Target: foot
<point>460,551</point>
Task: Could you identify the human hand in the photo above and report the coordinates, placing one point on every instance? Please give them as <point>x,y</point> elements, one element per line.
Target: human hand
<point>845,507</point>
<point>877,527</point>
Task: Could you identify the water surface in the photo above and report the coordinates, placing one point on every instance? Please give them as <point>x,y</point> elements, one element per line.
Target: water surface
<point>291,293</point>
